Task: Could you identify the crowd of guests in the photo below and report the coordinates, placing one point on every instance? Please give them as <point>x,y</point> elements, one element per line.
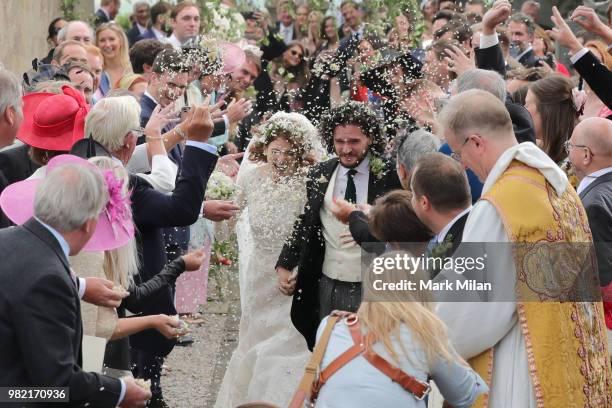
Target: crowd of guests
<point>407,129</point>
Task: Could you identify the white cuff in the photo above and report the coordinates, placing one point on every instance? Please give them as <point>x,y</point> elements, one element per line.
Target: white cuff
<point>204,146</point>
<point>227,122</point>
<point>574,58</point>
<point>488,40</point>
<point>122,394</point>
<point>82,286</point>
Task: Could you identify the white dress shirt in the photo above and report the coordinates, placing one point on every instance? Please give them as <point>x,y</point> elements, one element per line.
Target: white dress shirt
<point>442,234</point>
<point>141,29</point>
<point>287,33</point>
<point>587,180</point>
<point>160,35</point>
<point>361,179</point>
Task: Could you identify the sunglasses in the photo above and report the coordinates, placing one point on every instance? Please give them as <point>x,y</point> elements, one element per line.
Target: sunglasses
<point>296,53</point>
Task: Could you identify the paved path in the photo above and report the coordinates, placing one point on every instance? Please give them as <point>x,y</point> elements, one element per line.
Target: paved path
<point>194,373</point>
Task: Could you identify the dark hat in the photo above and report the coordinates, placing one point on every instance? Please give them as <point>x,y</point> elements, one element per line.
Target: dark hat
<point>87,148</point>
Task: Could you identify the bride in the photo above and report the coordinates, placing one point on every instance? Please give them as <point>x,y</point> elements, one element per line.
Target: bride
<point>271,354</point>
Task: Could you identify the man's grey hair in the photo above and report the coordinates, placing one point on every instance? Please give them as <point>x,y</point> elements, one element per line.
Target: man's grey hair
<point>10,91</point>
<point>415,145</point>
<point>69,196</point>
<point>138,4</point>
<point>483,79</point>
<point>63,33</point>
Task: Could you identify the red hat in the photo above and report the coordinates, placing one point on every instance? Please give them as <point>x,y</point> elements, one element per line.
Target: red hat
<point>53,121</point>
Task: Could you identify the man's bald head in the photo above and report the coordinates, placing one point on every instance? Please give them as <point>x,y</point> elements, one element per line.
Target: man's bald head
<point>597,134</point>
<point>590,147</point>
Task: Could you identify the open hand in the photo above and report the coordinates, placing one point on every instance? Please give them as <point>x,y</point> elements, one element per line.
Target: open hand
<point>458,62</point>
<point>168,326</point>
<point>229,165</point>
<point>341,209</point>
<point>159,119</point>
<point>562,33</point>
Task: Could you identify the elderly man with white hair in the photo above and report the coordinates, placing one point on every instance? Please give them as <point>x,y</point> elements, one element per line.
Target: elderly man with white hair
<point>75,30</point>
<point>114,123</point>
<point>40,317</point>
<point>527,209</point>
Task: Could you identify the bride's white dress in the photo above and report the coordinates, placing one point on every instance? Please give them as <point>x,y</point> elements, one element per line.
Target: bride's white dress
<point>271,354</point>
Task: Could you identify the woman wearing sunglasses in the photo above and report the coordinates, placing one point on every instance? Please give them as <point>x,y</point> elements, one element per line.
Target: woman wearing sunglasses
<point>289,74</point>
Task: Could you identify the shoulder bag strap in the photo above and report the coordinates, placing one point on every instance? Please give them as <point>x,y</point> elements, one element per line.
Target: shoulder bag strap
<point>310,372</point>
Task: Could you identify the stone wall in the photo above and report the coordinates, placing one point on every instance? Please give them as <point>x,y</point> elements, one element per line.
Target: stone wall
<point>24,29</point>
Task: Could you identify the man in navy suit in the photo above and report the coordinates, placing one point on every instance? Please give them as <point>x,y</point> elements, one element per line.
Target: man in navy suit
<point>141,14</point>
<point>522,30</point>
<point>107,11</point>
<point>159,14</point>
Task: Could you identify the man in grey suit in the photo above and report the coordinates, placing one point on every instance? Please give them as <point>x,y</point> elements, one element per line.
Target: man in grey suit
<point>590,152</point>
<point>40,316</point>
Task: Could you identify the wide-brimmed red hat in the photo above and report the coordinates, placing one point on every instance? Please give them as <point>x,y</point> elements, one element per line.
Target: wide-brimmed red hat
<point>53,121</point>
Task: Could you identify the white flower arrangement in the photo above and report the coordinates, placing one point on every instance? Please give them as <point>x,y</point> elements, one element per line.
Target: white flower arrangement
<point>226,23</point>
<point>220,187</point>
<point>377,166</point>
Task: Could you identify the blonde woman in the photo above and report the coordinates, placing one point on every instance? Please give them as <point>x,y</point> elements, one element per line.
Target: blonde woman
<point>113,43</point>
<point>401,328</point>
<point>120,266</point>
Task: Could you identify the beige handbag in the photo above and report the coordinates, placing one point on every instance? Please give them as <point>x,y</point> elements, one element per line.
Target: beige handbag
<point>310,372</point>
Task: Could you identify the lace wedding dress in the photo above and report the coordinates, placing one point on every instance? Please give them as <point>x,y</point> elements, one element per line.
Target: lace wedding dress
<point>271,354</point>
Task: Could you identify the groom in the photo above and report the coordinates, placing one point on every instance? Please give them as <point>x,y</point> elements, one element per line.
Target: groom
<point>329,273</point>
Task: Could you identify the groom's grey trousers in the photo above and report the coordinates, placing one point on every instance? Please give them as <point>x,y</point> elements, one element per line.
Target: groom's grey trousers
<point>338,295</point>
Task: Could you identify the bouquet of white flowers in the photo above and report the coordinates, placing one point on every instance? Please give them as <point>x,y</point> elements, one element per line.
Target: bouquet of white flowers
<point>220,187</point>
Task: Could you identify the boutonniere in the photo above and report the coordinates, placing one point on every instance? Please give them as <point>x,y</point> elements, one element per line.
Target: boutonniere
<point>322,179</point>
<point>377,167</point>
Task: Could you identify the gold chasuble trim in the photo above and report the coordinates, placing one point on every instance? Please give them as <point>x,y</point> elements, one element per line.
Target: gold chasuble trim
<point>565,341</point>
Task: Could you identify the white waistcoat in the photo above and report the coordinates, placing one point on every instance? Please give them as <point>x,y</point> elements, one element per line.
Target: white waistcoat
<point>340,263</point>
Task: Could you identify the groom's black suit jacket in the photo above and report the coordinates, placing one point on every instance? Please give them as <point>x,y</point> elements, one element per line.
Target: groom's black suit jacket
<point>306,247</point>
<point>40,321</point>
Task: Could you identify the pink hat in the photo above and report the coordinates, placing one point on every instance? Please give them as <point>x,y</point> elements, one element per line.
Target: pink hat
<point>115,226</point>
<point>233,57</point>
<point>53,121</point>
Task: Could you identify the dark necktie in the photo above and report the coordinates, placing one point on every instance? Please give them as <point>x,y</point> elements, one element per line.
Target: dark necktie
<point>350,194</point>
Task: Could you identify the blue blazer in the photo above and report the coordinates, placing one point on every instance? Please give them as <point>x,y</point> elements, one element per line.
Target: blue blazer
<point>147,35</point>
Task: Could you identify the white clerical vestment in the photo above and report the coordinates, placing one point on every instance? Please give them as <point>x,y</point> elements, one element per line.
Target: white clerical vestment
<point>477,326</point>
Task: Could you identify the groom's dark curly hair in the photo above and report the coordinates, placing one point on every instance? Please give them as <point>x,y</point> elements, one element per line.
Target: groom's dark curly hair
<point>356,114</point>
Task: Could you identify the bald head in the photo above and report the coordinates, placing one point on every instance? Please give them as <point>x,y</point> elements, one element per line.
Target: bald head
<point>476,111</point>
<point>597,134</point>
<point>590,147</point>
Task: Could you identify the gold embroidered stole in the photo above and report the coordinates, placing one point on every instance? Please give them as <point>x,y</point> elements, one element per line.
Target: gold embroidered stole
<point>565,341</point>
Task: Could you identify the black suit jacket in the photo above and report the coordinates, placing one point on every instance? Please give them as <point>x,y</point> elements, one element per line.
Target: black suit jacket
<point>133,34</point>
<point>100,17</point>
<point>529,60</point>
<point>40,320</point>
<point>15,165</point>
<point>306,247</point>
<point>597,201</point>
<point>154,211</point>
<point>597,76</point>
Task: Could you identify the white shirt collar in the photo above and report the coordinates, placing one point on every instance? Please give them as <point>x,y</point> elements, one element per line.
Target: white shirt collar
<point>362,168</point>
<point>174,41</point>
<point>159,34</point>
<point>442,234</point>
<point>524,52</point>
<point>147,94</point>
<point>587,180</point>
<point>141,28</point>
